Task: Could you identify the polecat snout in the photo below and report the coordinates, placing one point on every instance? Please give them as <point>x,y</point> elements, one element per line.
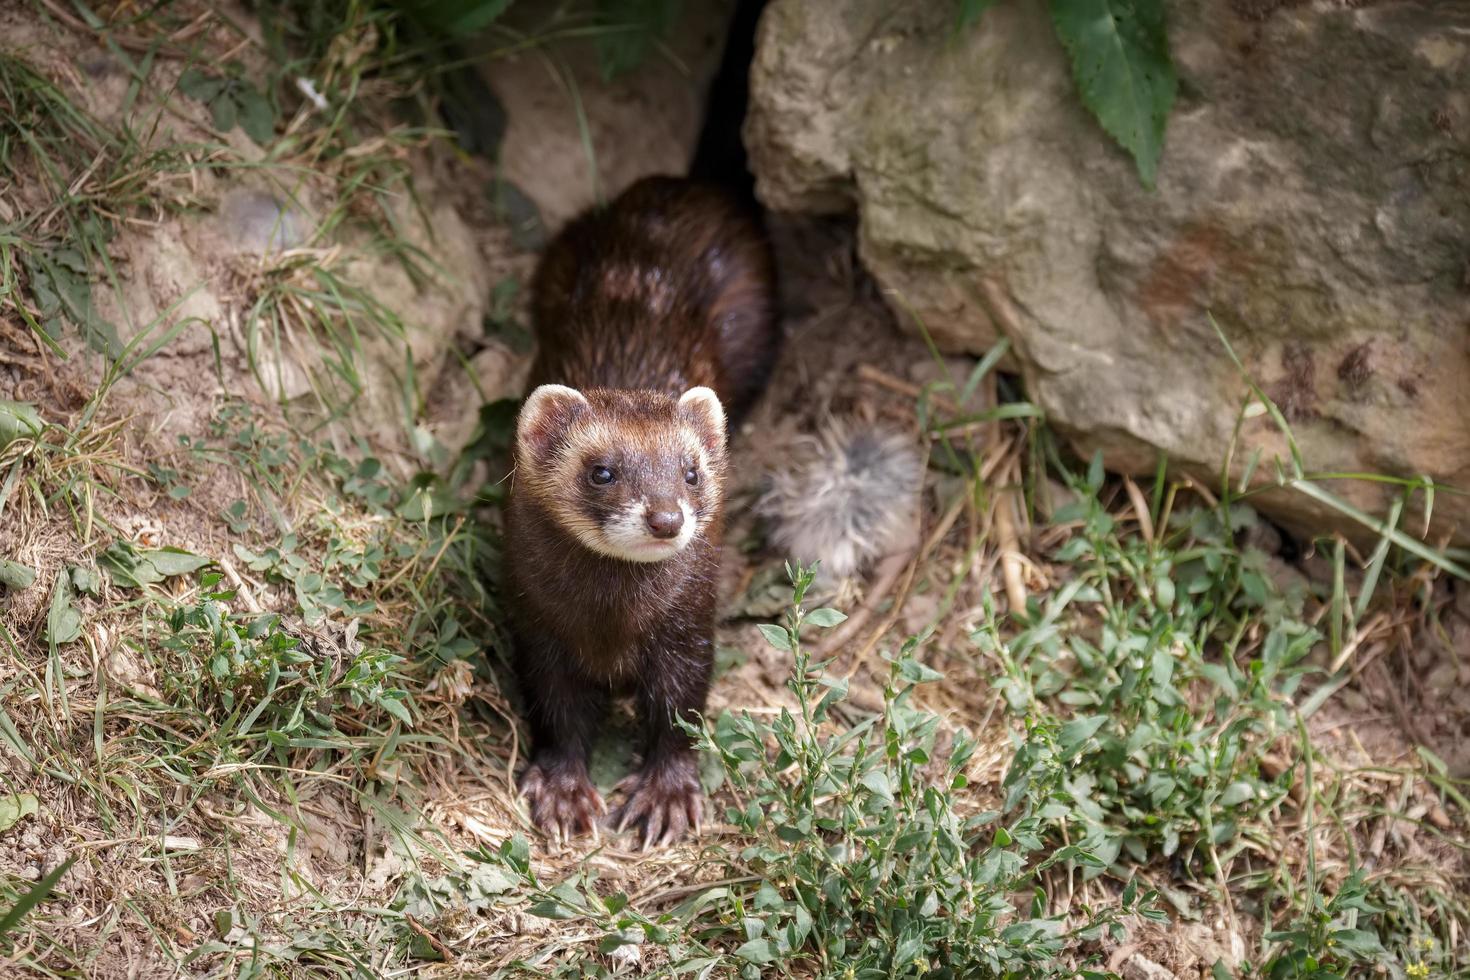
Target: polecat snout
<point>656,330</point>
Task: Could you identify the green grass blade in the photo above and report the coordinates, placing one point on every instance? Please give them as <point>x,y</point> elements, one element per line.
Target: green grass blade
<point>34,897</point>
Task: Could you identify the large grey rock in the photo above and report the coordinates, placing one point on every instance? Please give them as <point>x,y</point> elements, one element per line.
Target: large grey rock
<point>1314,195</point>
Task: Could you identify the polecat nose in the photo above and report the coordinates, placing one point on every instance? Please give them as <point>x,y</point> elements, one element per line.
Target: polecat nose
<point>665,523</point>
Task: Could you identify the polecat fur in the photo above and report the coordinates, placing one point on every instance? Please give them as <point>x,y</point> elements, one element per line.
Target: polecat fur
<point>656,330</point>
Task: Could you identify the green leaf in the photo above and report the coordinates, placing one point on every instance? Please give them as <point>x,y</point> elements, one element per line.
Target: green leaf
<point>14,575</point>
<point>877,781</point>
<point>825,618</point>
<point>1237,793</point>
<point>174,561</point>
<point>63,622</point>
<point>86,580</point>
<point>256,116</point>
<point>224,112</point>
<point>548,909</point>
<point>398,710</point>
<point>197,85</point>
<point>34,897</point>
<point>15,808</point>
<point>1077,731</point>
<point>758,951</point>
<point>631,28</point>
<point>18,420</point>
<point>1095,472</point>
<point>1359,941</point>
<point>1120,62</point>
<point>133,568</point>
<point>455,18</point>
<point>60,280</point>
<point>777,637</point>
<point>421,949</point>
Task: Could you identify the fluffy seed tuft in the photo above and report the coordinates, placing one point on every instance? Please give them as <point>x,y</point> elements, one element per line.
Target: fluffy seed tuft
<point>847,497</point>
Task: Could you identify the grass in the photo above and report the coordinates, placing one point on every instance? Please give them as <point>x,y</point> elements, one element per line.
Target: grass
<point>285,750</point>
<point>88,176</point>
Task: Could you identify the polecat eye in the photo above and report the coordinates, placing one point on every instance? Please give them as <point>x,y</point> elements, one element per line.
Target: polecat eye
<point>691,476</point>
<point>600,476</point>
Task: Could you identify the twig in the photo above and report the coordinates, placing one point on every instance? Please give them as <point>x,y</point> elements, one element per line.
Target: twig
<point>240,588</point>
<point>930,543</point>
<point>1010,547</point>
<point>1140,508</point>
<point>885,380</point>
<point>888,572</point>
<point>434,941</point>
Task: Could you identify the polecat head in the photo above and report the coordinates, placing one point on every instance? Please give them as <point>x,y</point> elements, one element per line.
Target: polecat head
<point>634,475</point>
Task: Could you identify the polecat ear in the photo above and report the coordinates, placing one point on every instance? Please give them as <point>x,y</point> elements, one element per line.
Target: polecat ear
<point>544,418</point>
<point>702,406</point>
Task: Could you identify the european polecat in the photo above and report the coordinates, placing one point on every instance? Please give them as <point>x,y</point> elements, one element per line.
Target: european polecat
<point>655,321</point>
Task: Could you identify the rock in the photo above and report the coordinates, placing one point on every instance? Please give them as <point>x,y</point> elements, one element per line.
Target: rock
<point>643,122</point>
<point>1312,196</point>
<point>257,221</point>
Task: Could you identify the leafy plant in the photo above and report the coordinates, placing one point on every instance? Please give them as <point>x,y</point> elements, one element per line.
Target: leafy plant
<point>1119,51</point>
<point>15,807</point>
<point>863,859</point>
<point>87,175</point>
<point>18,420</point>
<point>630,29</point>
<point>1327,938</point>
<point>454,18</point>
<point>860,839</point>
<point>14,575</point>
<point>1120,61</point>
<point>232,100</point>
<point>1173,697</point>
<point>63,621</point>
<point>61,285</point>
<point>317,593</point>
<point>252,664</point>
<point>134,567</point>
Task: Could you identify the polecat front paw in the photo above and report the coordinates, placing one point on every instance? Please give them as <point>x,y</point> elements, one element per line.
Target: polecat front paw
<point>562,800</point>
<point>664,800</point>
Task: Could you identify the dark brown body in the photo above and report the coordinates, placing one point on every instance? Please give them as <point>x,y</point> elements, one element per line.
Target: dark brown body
<point>669,288</point>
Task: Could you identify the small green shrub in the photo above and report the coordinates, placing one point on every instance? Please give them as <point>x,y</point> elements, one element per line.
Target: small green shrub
<point>864,860</point>
<point>254,676</point>
<point>1175,662</point>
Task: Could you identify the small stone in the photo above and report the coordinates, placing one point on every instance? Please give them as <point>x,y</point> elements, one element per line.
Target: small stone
<point>519,213</point>
<point>258,222</point>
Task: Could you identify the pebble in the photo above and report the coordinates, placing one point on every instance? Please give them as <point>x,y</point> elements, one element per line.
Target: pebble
<point>256,221</point>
